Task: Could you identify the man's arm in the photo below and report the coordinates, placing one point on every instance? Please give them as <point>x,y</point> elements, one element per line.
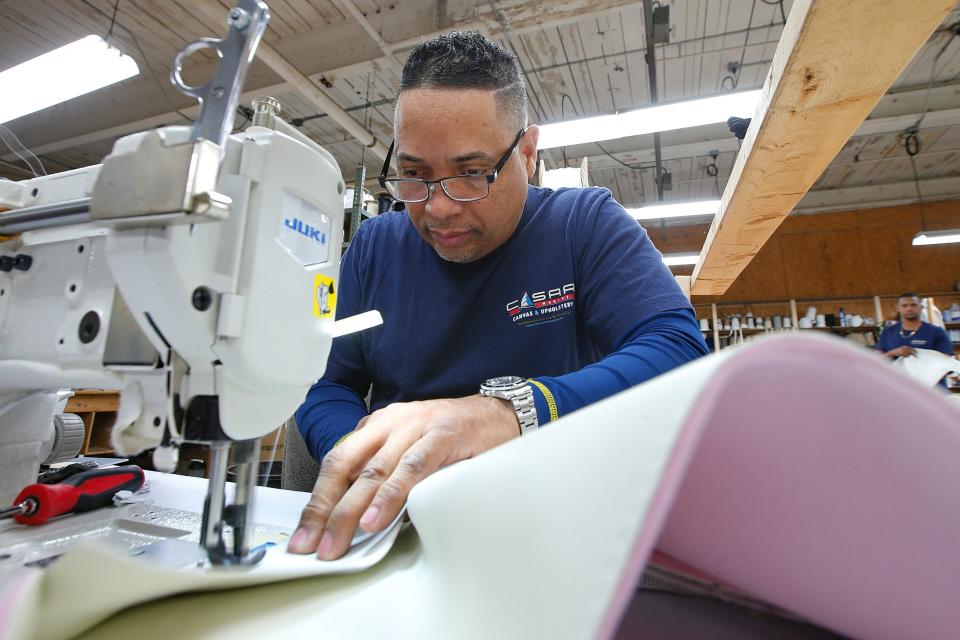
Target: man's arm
<point>334,405</point>
<point>657,344</point>
<point>902,351</point>
<point>366,479</point>
<point>330,412</point>
<point>941,341</point>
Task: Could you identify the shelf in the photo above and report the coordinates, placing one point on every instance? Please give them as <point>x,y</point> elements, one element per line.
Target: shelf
<point>861,329</point>
<point>839,330</point>
<point>951,325</point>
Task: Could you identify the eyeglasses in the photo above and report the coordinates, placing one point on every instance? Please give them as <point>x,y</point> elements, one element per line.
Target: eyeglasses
<point>462,188</point>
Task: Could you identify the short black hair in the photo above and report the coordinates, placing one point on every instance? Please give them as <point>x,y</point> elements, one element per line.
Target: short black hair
<point>908,294</point>
<point>468,60</point>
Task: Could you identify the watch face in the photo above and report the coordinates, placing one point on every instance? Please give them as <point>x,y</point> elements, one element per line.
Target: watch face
<point>505,382</point>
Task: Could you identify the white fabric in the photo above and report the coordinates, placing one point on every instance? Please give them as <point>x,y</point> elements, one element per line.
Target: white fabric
<point>927,367</point>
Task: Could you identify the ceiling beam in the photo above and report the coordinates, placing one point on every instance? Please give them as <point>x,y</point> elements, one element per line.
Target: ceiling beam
<point>827,75</point>
<point>212,10</point>
<point>517,17</point>
<point>846,199</point>
<point>878,195</point>
<point>350,7</point>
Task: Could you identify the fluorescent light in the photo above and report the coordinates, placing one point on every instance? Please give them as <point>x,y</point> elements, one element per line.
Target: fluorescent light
<point>59,75</point>
<point>665,117</point>
<point>680,259</point>
<point>937,237</point>
<point>676,210</point>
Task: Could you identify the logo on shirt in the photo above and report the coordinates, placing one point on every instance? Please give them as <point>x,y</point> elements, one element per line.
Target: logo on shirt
<point>540,307</point>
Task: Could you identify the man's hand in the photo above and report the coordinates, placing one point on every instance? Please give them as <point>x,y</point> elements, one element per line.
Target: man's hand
<point>901,352</point>
<point>367,477</point>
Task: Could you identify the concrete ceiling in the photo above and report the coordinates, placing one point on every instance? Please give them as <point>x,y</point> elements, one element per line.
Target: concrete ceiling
<point>580,57</point>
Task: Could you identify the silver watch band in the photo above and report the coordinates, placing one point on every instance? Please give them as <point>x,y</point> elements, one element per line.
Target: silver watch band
<point>520,394</point>
<point>526,410</point>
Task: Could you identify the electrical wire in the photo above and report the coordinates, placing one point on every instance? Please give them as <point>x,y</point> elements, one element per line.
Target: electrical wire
<point>143,56</point>
<point>911,135</point>
<point>366,118</point>
<point>17,168</point>
<point>911,143</point>
<point>528,86</point>
<point>635,167</point>
<point>113,20</point>
<point>734,78</point>
<point>955,30</point>
<point>563,150</point>
<point>783,14</point>
<point>246,113</point>
<point>10,139</point>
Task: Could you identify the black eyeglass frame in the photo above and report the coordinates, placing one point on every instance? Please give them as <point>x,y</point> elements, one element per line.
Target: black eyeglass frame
<point>491,176</point>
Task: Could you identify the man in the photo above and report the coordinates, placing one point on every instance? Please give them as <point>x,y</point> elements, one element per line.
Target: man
<point>905,337</point>
<point>481,276</point>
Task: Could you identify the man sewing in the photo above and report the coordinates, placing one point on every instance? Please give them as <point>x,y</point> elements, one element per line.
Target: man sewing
<point>543,301</point>
<point>905,337</point>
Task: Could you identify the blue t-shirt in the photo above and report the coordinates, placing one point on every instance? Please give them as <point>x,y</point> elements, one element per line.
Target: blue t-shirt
<point>577,284</point>
<point>927,336</point>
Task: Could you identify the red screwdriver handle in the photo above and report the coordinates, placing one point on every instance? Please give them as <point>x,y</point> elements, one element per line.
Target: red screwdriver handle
<point>80,492</point>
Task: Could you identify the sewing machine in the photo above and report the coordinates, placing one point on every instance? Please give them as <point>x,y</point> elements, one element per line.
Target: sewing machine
<point>194,270</point>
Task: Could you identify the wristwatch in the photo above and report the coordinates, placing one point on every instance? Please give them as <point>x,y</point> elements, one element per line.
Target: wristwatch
<point>517,390</point>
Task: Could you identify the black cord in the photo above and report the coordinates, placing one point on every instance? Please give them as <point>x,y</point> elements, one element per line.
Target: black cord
<point>563,150</point>
<point>113,20</point>
<point>911,135</point>
<point>712,170</point>
<point>246,112</point>
<point>735,77</point>
<point>911,143</point>
<point>143,56</point>
<point>635,167</point>
<point>955,29</point>
<point>783,14</point>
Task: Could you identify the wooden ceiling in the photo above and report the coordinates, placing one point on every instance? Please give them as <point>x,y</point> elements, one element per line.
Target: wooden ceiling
<point>580,57</point>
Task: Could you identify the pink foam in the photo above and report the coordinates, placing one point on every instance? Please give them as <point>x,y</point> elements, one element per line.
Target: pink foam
<point>815,478</point>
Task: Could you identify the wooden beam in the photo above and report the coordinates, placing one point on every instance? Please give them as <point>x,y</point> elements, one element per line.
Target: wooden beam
<point>834,62</point>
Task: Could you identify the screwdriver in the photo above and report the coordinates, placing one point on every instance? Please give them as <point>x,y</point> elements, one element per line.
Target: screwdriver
<point>80,492</point>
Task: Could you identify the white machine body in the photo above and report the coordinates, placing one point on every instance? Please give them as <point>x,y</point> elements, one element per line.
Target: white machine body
<point>110,304</point>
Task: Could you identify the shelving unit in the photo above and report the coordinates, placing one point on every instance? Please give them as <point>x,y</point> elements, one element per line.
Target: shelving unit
<point>880,308</point>
<point>98,410</point>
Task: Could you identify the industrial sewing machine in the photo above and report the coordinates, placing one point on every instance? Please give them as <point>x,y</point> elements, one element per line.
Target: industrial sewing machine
<point>194,270</point>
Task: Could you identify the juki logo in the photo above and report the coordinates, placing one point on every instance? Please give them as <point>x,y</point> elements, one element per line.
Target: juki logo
<point>305,229</point>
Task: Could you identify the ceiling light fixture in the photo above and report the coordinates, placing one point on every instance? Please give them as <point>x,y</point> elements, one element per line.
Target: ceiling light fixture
<point>681,259</point>
<point>937,237</point>
<point>59,75</point>
<point>663,117</point>
<point>675,210</point>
